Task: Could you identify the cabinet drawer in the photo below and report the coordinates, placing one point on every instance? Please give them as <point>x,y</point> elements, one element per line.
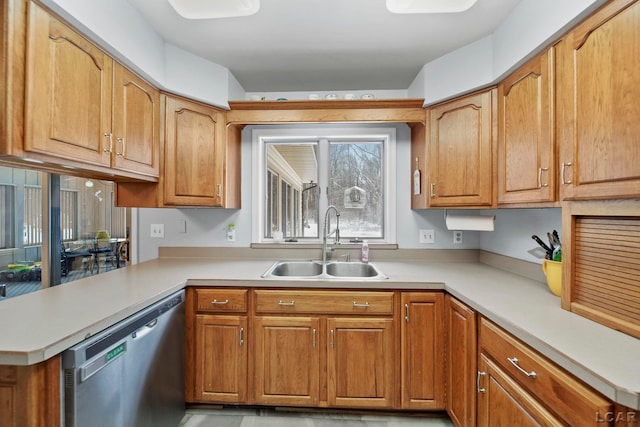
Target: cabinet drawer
<point>221,300</point>
<point>329,302</point>
<point>574,402</point>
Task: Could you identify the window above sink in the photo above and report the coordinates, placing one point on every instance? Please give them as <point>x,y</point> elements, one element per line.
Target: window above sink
<point>299,171</point>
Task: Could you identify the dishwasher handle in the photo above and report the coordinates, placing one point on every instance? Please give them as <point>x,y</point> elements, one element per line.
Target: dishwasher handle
<point>145,330</point>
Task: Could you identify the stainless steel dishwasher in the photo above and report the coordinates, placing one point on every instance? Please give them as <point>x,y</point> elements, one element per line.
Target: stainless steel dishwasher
<point>130,375</point>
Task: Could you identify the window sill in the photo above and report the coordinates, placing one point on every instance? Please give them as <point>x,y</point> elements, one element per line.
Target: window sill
<point>308,245</point>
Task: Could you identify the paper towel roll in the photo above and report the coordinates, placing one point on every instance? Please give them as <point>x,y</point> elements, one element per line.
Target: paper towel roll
<point>470,222</point>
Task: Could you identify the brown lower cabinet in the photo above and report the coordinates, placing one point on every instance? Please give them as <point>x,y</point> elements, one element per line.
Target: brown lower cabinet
<point>518,386</point>
<point>316,348</point>
<point>461,344</point>
<point>30,395</point>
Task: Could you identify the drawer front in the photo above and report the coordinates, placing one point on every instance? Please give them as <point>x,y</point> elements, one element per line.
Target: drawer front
<point>569,398</point>
<point>328,302</point>
<point>221,300</point>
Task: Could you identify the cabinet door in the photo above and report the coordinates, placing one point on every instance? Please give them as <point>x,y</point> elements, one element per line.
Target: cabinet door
<point>193,158</point>
<point>461,348</point>
<point>502,402</point>
<point>221,358</point>
<point>598,94</point>
<point>68,93</point>
<point>30,395</point>
<point>287,361</point>
<point>136,111</point>
<point>422,344</point>
<point>526,158</point>
<point>360,361</point>
<point>461,151</point>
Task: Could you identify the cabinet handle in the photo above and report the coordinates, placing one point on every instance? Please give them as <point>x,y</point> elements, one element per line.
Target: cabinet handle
<point>124,146</point>
<point>241,336</point>
<point>313,338</point>
<point>366,304</point>
<point>406,313</point>
<point>216,302</point>
<point>540,184</point>
<point>292,303</point>
<point>432,189</point>
<point>478,388</point>
<point>564,165</point>
<point>331,334</point>
<point>109,136</point>
<point>514,362</point>
<point>220,190</point>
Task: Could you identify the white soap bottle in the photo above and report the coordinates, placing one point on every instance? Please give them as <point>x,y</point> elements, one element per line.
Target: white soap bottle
<point>364,256</point>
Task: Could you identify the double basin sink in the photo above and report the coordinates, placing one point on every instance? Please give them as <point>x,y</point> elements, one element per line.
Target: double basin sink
<point>317,270</point>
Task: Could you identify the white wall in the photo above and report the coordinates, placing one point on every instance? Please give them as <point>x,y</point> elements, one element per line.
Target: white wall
<point>532,25</point>
<point>206,227</point>
<point>119,28</point>
<point>514,228</point>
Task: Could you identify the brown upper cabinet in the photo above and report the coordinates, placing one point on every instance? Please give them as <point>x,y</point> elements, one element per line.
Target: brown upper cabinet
<point>193,153</point>
<point>461,147</point>
<point>526,148</point>
<point>201,160</point>
<point>598,95</point>
<point>82,106</point>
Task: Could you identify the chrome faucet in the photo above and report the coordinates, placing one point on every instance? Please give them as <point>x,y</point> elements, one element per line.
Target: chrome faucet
<point>325,234</point>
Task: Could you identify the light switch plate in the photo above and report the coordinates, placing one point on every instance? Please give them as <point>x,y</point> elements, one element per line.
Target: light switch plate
<point>427,236</point>
<point>157,230</point>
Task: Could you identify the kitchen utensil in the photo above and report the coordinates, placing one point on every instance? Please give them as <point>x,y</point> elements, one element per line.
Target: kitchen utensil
<point>543,246</point>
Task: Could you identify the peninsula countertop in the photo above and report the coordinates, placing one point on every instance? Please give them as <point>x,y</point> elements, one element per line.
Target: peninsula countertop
<point>42,324</point>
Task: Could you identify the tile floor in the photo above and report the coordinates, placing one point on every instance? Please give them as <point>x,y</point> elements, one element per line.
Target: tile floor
<point>271,418</point>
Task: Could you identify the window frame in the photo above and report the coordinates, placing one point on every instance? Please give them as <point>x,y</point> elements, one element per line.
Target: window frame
<point>262,136</point>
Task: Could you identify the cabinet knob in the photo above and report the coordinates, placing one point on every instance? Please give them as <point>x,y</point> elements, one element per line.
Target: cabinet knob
<point>109,136</point>
<point>565,165</point>
<point>478,388</point>
<point>123,145</point>
<point>540,184</point>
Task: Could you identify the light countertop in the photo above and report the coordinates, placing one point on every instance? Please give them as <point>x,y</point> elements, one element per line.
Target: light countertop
<point>42,324</point>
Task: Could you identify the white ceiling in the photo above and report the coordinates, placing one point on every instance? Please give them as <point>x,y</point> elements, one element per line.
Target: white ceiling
<point>310,45</point>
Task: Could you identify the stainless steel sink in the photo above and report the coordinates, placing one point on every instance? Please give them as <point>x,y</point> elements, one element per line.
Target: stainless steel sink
<point>351,269</point>
<point>331,270</point>
<point>296,269</point>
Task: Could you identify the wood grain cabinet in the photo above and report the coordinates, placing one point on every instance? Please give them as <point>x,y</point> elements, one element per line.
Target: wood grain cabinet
<point>217,368</point>
<point>518,386</point>
<point>461,356</point>
<point>526,133</point>
<point>422,350</point>
<point>287,360</point>
<point>598,94</point>
<point>201,160</point>
<point>30,395</point>
<point>327,348</point>
<point>82,106</point>
<point>193,153</point>
<point>461,151</point>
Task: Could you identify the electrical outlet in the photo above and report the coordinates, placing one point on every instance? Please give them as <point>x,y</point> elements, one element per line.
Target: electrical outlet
<point>427,236</point>
<point>157,230</point>
<point>457,237</point>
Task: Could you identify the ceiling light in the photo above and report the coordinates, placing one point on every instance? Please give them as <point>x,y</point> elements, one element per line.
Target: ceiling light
<point>208,9</point>
<point>429,6</point>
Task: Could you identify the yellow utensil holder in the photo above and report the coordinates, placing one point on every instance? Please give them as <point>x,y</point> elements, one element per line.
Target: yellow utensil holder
<point>553,272</point>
